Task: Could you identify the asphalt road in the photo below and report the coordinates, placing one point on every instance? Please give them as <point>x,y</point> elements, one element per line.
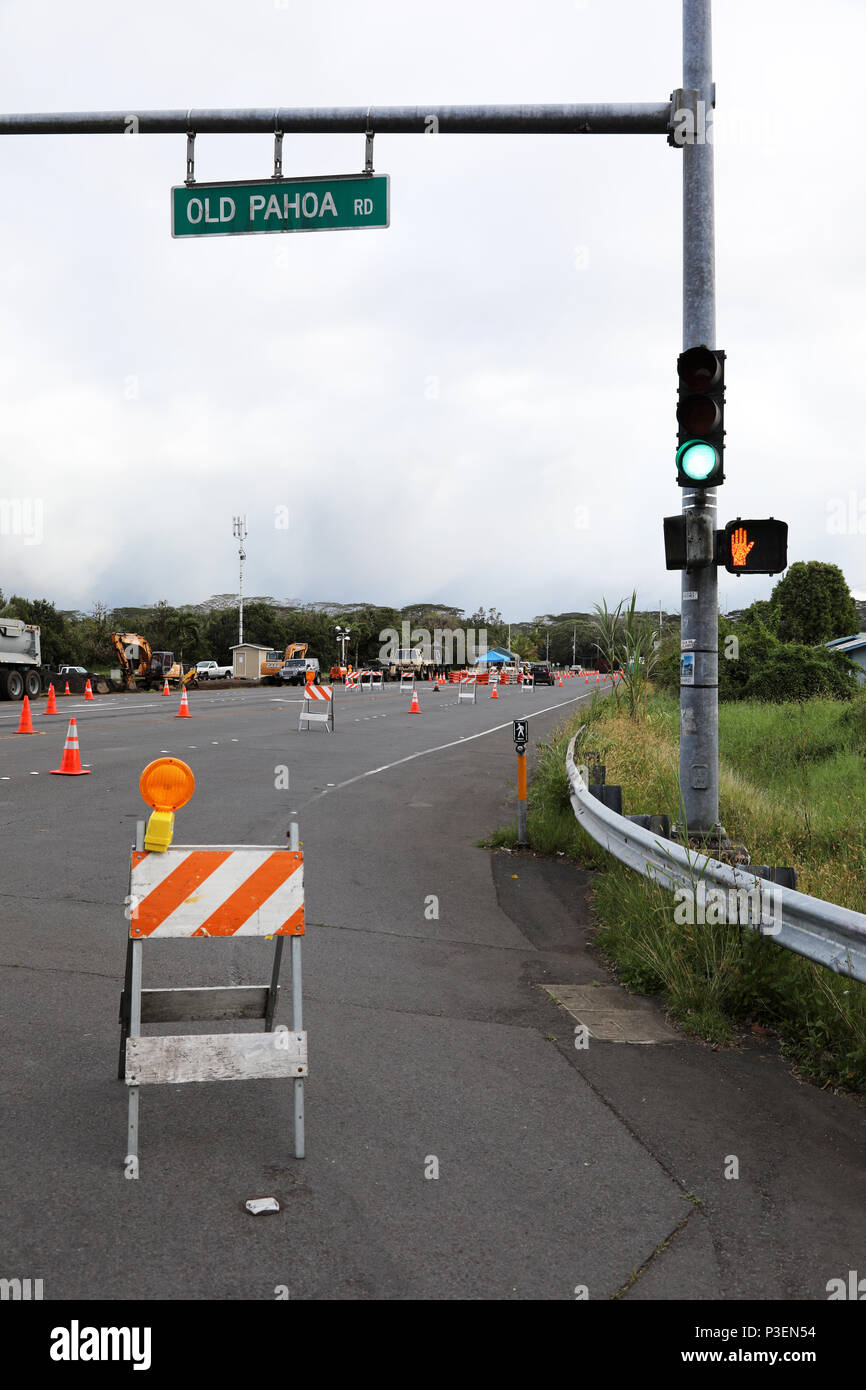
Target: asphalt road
<point>429,1038</point>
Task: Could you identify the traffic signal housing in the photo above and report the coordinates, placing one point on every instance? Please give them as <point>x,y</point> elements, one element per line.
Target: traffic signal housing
<point>701,417</point>
<point>754,547</point>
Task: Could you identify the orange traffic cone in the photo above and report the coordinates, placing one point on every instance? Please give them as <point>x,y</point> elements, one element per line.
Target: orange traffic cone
<point>183,712</point>
<point>70,763</point>
<point>435,682</point>
<point>494,693</point>
<point>88,693</point>
<point>25,723</point>
<point>560,680</point>
<point>165,689</point>
<point>51,707</point>
<point>415,707</point>
<point>596,677</point>
<point>66,691</point>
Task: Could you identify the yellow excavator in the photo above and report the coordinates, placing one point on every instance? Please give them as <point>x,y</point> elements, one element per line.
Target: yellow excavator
<point>140,665</point>
<point>274,663</point>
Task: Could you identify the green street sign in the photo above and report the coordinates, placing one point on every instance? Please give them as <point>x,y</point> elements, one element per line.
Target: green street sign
<point>336,203</point>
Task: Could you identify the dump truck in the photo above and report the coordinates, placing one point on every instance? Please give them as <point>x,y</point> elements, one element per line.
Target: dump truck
<point>417,661</point>
<point>20,660</point>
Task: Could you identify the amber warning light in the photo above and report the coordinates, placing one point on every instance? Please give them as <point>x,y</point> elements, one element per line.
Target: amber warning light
<point>755,547</point>
<point>166,785</point>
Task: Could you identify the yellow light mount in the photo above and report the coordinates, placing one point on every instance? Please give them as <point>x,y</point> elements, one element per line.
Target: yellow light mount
<point>165,784</point>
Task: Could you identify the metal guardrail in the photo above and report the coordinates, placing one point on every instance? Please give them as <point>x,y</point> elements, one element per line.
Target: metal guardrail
<point>833,936</point>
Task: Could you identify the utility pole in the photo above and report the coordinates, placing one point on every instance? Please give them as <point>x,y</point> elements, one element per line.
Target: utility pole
<point>239,529</point>
<point>574,647</point>
<point>699,703</point>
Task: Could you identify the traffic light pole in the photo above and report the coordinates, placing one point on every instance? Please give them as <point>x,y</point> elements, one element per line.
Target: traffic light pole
<point>699,703</point>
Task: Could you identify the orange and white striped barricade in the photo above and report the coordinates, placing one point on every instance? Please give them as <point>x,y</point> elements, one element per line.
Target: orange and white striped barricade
<point>317,707</point>
<point>372,680</point>
<point>407,682</point>
<point>352,680</point>
<point>528,682</point>
<point>211,891</point>
<point>467,690</point>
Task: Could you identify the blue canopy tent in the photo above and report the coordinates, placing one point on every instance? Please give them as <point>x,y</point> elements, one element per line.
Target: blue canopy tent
<point>497,656</point>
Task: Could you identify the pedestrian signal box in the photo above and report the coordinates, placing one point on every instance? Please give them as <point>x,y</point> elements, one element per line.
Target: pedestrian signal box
<point>754,547</point>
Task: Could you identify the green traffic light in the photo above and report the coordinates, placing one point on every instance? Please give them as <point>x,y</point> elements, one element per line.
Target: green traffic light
<point>697,460</point>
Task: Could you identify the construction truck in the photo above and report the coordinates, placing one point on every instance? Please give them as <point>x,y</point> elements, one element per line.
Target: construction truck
<point>140,665</point>
<point>416,660</point>
<point>275,661</point>
<point>20,660</point>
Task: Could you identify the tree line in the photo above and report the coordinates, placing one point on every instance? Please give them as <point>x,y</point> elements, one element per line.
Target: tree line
<point>84,639</point>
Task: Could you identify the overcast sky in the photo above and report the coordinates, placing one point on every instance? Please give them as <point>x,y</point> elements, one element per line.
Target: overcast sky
<point>476,405</point>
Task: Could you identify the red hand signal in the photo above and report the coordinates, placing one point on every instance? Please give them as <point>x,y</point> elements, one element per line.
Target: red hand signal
<point>740,546</point>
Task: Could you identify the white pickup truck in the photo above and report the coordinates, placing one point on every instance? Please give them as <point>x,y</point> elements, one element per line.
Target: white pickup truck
<point>210,671</point>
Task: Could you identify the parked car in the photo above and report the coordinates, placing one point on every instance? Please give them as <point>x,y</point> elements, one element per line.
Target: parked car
<point>211,671</point>
<point>294,672</point>
<point>73,671</point>
<point>541,673</point>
